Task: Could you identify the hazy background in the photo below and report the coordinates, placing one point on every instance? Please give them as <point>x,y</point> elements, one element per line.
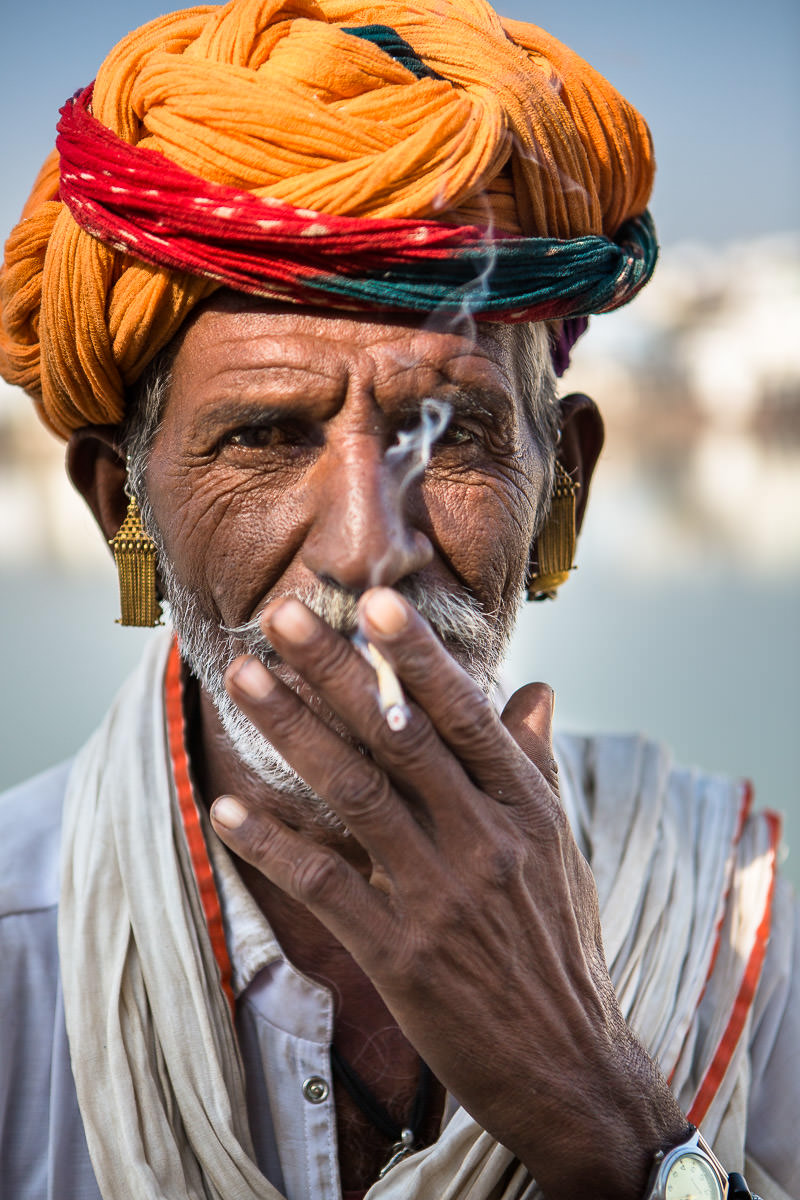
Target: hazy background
<point>682,620</point>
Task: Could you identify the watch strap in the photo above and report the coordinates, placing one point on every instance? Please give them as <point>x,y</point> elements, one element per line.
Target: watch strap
<point>738,1189</point>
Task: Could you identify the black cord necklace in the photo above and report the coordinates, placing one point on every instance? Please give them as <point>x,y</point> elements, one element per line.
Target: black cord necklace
<point>404,1137</point>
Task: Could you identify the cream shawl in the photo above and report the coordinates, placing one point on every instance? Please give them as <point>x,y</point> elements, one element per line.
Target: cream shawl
<point>684,882</point>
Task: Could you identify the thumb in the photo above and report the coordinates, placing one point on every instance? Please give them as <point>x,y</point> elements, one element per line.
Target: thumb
<point>528,717</point>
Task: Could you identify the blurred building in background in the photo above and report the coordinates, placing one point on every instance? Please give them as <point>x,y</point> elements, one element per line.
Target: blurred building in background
<point>699,382</point>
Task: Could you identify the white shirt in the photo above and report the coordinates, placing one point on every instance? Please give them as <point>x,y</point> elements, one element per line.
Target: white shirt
<point>284,1023</point>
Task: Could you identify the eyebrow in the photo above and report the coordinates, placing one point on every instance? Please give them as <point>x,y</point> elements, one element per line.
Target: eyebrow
<point>466,400</point>
<point>478,401</point>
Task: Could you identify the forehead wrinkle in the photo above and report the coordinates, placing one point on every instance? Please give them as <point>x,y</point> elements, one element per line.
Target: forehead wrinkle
<point>260,377</point>
<point>243,391</point>
<point>491,394</point>
<point>318,369</point>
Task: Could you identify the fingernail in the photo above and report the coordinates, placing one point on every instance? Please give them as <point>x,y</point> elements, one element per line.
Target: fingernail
<point>292,620</point>
<point>253,678</point>
<point>228,813</point>
<point>385,611</point>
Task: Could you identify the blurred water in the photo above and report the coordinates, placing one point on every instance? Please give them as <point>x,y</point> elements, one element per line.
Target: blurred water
<point>709,665</point>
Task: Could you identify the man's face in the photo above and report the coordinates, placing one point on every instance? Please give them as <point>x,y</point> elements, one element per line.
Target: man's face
<point>268,476</point>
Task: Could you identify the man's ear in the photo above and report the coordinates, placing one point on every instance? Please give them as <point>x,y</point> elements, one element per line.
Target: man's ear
<point>582,436</point>
<point>96,466</point>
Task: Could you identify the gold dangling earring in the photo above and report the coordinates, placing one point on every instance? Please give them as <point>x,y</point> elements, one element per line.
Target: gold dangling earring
<point>556,542</point>
<point>135,556</point>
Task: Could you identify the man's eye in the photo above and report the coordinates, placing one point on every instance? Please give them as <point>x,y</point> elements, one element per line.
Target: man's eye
<point>457,435</point>
<point>264,437</point>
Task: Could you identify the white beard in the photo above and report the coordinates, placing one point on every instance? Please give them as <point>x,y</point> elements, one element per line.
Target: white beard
<point>475,641</point>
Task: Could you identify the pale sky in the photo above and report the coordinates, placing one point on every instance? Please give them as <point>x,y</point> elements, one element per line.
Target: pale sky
<point>716,79</point>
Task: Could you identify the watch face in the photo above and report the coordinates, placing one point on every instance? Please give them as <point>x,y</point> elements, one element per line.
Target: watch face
<point>691,1178</point>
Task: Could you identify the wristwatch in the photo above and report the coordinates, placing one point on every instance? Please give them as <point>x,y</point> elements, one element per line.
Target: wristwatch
<point>690,1171</point>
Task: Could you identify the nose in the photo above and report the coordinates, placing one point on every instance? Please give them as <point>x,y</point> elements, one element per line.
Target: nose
<point>360,535</point>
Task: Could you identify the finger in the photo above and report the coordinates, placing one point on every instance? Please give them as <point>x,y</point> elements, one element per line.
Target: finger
<point>354,787</point>
<point>461,713</point>
<point>415,758</point>
<point>528,717</point>
<point>358,915</point>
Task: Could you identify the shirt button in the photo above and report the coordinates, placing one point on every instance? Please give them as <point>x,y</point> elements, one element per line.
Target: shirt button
<point>315,1089</point>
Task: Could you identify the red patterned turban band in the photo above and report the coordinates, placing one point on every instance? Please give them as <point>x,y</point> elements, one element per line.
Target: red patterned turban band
<point>515,192</point>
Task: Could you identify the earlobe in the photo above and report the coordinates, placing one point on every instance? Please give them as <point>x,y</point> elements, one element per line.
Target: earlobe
<point>96,466</point>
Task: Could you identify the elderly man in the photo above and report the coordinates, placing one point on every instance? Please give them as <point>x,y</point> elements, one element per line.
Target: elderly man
<point>294,288</point>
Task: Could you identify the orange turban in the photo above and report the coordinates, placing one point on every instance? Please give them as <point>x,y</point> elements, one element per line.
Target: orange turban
<point>504,128</point>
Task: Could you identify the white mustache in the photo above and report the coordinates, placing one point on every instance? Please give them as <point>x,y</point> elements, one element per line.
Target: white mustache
<point>456,617</point>
<point>474,638</point>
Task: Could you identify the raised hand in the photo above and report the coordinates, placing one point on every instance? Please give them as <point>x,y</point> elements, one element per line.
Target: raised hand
<point>478,921</point>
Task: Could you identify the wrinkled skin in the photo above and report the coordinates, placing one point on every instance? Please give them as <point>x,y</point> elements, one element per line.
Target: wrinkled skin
<point>457,920</point>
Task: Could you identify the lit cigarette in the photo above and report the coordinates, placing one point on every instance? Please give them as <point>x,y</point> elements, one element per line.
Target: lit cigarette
<point>390,694</point>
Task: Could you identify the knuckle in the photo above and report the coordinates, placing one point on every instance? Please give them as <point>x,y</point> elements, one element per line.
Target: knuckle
<point>499,863</point>
<point>545,816</point>
<point>334,660</point>
<point>506,864</point>
<point>361,793</point>
<point>421,657</point>
<point>549,769</point>
<point>287,721</point>
<point>262,843</point>
<point>415,653</point>
<point>315,877</point>
<point>412,747</point>
<point>472,718</point>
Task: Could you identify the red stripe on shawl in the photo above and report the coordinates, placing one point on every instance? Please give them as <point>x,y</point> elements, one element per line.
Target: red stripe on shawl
<point>201,864</point>
<point>744,999</point>
<point>745,807</point>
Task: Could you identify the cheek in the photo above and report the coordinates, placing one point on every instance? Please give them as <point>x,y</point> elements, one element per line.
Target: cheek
<point>483,529</point>
<point>229,535</point>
